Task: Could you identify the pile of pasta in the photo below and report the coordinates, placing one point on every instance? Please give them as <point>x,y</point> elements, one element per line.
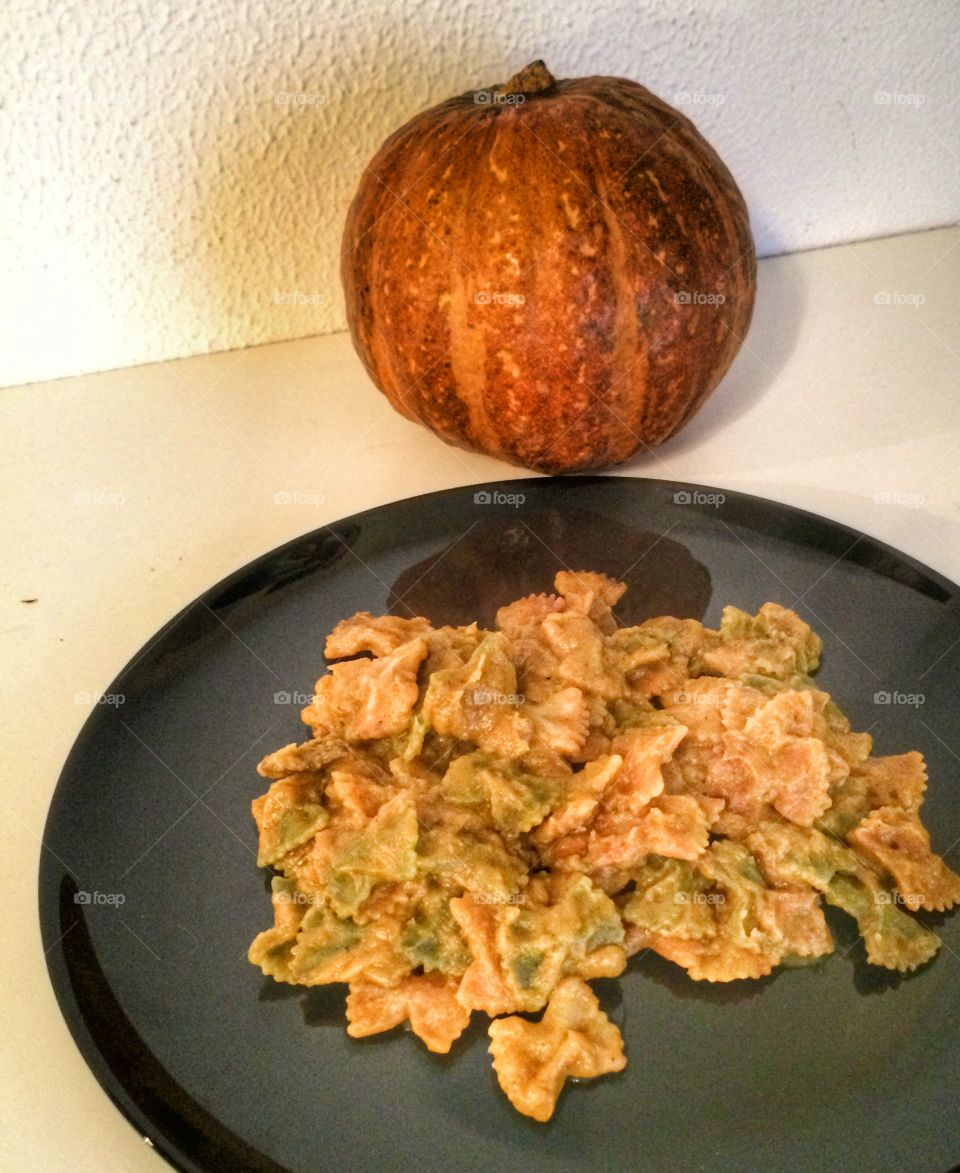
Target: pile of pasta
<point>485,821</point>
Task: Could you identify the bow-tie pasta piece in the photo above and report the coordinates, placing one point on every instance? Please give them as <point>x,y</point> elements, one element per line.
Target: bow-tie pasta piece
<point>573,1040</point>
<point>428,1003</point>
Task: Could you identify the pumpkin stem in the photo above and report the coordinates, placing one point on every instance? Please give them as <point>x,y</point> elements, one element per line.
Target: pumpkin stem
<point>534,78</point>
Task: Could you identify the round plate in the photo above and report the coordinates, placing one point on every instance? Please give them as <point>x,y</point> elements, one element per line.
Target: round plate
<point>150,895</point>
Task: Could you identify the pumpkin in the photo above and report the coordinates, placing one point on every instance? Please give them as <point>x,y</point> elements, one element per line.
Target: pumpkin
<point>557,273</point>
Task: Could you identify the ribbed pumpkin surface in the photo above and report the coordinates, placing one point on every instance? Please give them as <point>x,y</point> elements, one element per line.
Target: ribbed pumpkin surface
<point>558,275</point>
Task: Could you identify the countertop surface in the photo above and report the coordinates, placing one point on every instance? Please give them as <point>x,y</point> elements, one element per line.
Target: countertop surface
<point>128,493</point>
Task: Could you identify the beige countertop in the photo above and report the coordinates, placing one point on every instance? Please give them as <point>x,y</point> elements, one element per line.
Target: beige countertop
<point>128,493</point>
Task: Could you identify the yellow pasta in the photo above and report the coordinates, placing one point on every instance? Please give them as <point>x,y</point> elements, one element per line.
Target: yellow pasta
<point>427,1002</point>
<point>574,1038</point>
<point>485,821</point>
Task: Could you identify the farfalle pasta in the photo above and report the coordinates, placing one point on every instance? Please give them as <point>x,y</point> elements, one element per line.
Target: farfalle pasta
<point>482,822</point>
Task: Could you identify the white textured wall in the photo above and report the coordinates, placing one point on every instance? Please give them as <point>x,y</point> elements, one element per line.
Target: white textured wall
<point>159,194</point>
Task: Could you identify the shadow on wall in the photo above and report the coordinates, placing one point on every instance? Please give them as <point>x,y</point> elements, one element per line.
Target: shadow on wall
<point>274,195</point>
<point>774,331</point>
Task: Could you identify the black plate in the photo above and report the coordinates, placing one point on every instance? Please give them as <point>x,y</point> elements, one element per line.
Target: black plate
<point>840,1066</point>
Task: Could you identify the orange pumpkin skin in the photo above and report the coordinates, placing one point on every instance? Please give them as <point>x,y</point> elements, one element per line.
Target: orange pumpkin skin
<point>558,276</point>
